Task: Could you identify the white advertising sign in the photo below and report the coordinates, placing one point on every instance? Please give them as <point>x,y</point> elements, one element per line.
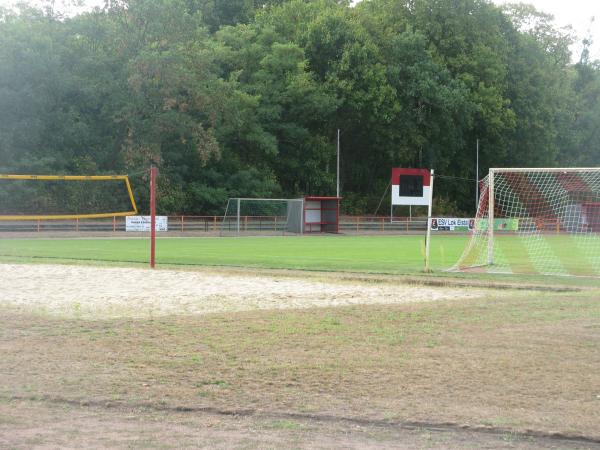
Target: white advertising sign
<point>452,224</point>
<point>142,223</point>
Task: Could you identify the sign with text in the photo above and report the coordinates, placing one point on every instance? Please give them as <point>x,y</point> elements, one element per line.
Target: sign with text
<point>452,224</point>
<point>142,223</point>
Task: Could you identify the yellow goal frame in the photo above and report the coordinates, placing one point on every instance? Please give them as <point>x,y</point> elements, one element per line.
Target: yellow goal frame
<point>125,178</point>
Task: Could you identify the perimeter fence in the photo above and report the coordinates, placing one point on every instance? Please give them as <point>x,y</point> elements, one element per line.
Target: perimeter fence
<point>211,225</point>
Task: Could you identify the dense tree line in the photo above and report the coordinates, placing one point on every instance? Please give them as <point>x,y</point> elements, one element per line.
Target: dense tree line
<point>244,97</point>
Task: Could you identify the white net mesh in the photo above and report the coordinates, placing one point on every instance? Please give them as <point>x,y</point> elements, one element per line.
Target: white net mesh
<point>544,222</point>
<point>252,217</point>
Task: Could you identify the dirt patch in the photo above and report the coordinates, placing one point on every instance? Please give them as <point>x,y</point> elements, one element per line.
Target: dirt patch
<point>96,427</point>
<point>523,364</point>
<point>96,293</point>
<point>513,363</point>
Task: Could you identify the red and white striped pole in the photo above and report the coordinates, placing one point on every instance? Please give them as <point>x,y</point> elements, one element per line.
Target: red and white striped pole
<point>153,173</point>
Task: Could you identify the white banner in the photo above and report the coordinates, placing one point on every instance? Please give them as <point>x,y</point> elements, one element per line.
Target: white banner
<point>452,224</point>
<point>142,223</point>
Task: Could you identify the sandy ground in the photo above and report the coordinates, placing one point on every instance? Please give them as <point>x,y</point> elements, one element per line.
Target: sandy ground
<point>97,293</point>
<point>395,366</point>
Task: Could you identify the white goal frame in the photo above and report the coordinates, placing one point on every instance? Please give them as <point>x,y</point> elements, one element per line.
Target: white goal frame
<point>238,201</point>
<point>561,195</point>
<point>491,201</point>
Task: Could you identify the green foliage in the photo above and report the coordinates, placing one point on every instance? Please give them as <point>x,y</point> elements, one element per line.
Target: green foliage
<point>244,97</point>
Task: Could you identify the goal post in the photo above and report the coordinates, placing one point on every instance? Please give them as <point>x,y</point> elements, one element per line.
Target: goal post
<point>58,197</point>
<point>263,216</point>
<point>490,226</point>
<point>536,221</point>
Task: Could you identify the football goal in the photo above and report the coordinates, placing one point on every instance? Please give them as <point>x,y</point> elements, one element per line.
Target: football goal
<point>537,221</point>
<point>262,216</point>
<point>48,197</point>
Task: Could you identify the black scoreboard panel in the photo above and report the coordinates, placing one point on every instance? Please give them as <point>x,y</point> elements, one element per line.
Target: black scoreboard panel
<point>411,185</point>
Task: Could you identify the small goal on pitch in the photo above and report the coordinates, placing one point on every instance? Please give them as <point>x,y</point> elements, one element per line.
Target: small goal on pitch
<point>277,216</point>
<point>262,216</point>
<point>537,221</point>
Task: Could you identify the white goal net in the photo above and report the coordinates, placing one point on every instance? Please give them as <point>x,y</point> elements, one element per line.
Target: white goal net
<point>263,216</point>
<point>537,221</point>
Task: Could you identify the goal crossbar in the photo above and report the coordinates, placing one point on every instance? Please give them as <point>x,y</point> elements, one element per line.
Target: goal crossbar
<point>266,199</point>
<point>550,169</point>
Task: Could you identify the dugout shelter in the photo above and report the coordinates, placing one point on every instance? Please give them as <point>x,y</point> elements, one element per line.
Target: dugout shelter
<point>322,214</point>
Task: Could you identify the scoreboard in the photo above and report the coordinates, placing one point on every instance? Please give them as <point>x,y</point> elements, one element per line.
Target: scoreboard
<point>411,186</point>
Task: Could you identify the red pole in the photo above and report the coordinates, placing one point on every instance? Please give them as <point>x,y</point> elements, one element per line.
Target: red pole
<point>153,172</point>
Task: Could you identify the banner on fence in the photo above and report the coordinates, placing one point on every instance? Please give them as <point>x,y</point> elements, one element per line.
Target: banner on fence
<point>461,224</point>
<point>142,223</point>
<point>451,224</point>
<point>499,224</point>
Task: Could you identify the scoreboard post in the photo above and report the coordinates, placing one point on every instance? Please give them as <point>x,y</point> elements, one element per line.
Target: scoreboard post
<point>414,187</point>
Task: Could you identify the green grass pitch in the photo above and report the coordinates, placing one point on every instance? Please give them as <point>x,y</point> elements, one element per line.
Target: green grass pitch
<point>401,254</point>
<point>382,254</point>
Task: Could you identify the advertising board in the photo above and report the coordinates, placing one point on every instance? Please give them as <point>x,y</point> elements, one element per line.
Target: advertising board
<point>142,223</point>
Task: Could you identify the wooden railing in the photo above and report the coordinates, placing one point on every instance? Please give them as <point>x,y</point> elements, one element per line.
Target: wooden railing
<point>215,224</point>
